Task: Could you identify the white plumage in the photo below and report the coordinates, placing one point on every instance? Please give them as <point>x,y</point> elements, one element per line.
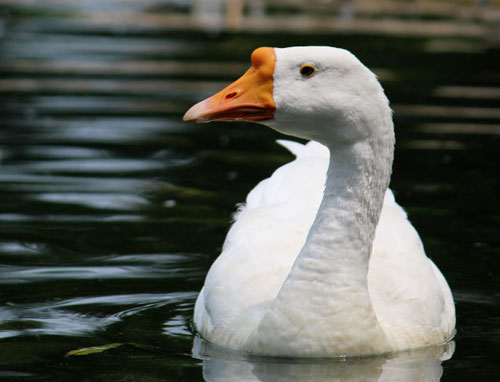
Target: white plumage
<point>335,298</point>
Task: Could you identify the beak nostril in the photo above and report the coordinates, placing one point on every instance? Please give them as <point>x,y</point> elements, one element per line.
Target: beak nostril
<point>230,95</point>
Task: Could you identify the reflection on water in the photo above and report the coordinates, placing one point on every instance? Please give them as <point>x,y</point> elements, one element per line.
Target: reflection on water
<point>220,365</point>
<point>112,209</point>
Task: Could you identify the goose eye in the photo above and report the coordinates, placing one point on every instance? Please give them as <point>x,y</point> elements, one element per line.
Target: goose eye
<point>307,70</point>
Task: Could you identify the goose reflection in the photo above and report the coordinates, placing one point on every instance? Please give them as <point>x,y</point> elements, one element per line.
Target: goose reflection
<point>221,365</point>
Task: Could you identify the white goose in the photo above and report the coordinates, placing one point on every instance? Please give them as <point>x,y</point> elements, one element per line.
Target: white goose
<point>319,263</point>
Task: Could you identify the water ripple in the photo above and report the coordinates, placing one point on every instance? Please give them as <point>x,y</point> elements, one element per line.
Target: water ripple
<point>72,218</point>
<point>148,258</point>
<point>10,274</point>
<point>103,166</point>
<point>56,317</point>
<point>23,249</point>
<point>115,201</point>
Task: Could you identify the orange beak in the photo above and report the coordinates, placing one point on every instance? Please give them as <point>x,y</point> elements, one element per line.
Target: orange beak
<point>250,98</point>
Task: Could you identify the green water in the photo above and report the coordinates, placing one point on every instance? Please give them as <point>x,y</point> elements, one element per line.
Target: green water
<point>112,209</point>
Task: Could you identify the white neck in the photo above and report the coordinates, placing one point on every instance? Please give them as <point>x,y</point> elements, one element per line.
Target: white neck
<point>324,307</point>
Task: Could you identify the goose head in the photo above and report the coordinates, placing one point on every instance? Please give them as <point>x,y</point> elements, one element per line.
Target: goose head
<point>317,92</point>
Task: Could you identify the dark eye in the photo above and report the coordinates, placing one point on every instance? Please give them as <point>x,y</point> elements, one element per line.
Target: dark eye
<point>307,70</point>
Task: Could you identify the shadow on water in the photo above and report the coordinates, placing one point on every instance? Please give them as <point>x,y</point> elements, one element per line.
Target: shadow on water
<point>112,209</point>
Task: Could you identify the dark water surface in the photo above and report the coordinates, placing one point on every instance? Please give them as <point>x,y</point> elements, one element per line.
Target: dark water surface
<point>112,209</point>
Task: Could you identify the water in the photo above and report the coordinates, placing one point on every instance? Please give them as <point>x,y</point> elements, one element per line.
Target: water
<point>112,209</point>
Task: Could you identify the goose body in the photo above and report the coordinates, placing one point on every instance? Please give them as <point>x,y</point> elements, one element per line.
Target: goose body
<point>321,260</point>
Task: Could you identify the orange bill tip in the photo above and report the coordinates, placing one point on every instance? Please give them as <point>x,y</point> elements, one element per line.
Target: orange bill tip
<point>250,98</point>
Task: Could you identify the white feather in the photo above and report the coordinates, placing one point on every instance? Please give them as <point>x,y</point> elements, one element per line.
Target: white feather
<point>271,228</point>
<point>296,276</point>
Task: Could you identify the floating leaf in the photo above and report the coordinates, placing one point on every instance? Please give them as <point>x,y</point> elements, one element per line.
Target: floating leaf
<point>93,349</point>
